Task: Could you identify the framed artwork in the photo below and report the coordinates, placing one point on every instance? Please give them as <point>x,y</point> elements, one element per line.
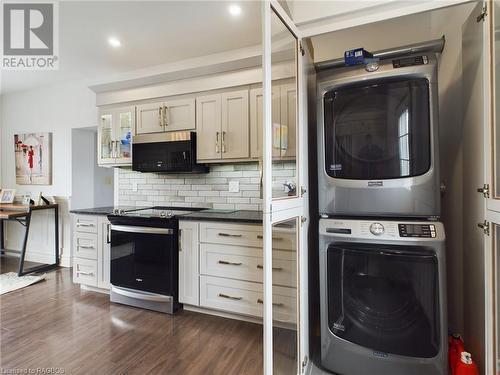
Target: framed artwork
<point>7,195</point>
<point>33,158</point>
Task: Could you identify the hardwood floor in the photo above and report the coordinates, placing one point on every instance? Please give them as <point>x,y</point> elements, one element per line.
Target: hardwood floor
<point>54,324</point>
<point>10,263</point>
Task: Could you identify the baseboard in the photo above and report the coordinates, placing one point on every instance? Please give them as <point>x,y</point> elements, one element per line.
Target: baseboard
<point>223,314</point>
<point>94,289</point>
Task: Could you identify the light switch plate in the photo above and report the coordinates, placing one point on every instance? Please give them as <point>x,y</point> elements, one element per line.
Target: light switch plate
<point>234,186</point>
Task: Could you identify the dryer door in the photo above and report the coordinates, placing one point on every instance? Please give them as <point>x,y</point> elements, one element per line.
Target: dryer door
<point>384,297</point>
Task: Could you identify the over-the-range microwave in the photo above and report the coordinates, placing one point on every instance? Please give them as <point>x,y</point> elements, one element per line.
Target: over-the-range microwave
<point>173,152</point>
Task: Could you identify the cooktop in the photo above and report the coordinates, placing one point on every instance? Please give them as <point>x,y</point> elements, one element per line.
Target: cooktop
<point>157,212</point>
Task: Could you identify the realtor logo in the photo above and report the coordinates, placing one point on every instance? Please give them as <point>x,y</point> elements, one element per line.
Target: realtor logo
<point>29,36</point>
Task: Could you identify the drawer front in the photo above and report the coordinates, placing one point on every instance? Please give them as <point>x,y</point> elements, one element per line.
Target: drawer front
<point>245,235</point>
<point>245,263</point>
<point>246,298</point>
<point>85,245</point>
<point>85,271</point>
<point>85,224</point>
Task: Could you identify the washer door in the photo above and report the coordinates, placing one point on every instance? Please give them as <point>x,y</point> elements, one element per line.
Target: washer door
<point>384,297</point>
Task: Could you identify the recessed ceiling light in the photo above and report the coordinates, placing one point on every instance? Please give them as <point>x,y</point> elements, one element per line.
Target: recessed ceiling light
<point>114,42</point>
<point>234,10</point>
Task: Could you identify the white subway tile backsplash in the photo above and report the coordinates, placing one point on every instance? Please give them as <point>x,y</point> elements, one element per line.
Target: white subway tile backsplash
<point>205,190</point>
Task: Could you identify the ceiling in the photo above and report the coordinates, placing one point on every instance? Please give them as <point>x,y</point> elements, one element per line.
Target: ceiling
<point>151,33</point>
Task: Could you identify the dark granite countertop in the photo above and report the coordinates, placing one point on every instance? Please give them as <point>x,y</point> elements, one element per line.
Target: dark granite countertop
<point>236,216</point>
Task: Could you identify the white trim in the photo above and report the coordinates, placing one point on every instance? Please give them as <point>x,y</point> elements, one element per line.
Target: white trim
<point>94,289</point>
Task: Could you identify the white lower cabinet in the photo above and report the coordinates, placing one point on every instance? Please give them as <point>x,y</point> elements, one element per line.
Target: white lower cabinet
<point>189,283</point>
<point>221,268</point>
<point>91,250</point>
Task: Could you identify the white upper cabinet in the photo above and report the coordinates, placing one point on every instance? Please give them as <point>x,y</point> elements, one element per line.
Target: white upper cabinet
<point>116,128</point>
<point>284,121</point>
<point>208,127</point>
<point>222,126</point>
<point>235,130</point>
<point>166,115</point>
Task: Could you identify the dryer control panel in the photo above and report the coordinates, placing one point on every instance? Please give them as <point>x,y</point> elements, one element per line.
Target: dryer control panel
<point>417,230</point>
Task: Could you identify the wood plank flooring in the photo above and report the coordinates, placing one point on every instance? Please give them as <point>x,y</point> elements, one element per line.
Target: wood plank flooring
<point>54,324</point>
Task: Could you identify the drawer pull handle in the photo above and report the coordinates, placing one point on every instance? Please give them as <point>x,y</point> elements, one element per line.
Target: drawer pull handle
<point>260,237</point>
<point>229,263</point>
<point>86,247</point>
<point>261,267</point>
<point>86,273</point>
<point>274,303</point>
<point>230,297</point>
<point>84,225</point>
<point>230,235</point>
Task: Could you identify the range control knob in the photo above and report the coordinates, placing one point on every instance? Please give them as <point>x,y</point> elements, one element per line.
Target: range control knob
<point>377,229</point>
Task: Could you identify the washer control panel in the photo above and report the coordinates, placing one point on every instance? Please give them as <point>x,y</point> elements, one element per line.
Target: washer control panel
<point>417,230</point>
<point>377,229</point>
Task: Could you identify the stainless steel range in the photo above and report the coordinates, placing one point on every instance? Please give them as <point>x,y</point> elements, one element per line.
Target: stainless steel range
<point>144,257</point>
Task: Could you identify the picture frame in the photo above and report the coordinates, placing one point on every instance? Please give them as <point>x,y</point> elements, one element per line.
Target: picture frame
<point>7,196</point>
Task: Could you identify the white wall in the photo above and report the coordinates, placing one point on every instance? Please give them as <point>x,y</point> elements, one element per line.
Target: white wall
<point>56,109</point>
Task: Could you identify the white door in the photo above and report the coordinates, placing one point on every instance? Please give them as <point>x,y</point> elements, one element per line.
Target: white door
<point>180,114</point>
<point>256,118</point>
<point>235,136</point>
<point>123,128</point>
<point>208,127</point>
<point>150,118</point>
<point>189,283</point>
<point>105,141</point>
<point>492,195</point>
<point>288,95</point>
<point>284,199</point>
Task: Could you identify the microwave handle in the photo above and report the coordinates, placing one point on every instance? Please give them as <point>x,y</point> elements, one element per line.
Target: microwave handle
<point>146,230</point>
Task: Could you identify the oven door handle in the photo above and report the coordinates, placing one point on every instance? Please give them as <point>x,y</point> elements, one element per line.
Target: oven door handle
<point>147,230</point>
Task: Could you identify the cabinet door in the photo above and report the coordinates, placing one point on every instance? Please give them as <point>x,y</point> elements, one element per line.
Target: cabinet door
<point>103,254</point>
<point>180,115</point>
<point>123,132</point>
<point>208,127</point>
<point>256,120</point>
<point>150,118</point>
<point>105,152</point>
<point>189,263</point>
<point>235,138</point>
<point>288,120</point>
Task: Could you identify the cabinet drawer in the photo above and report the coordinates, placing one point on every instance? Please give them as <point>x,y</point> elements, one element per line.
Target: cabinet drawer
<point>245,235</point>
<point>246,298</point>
<point>85,271</point>
<point>85,224</point>
<point>245,263</point>
<point>85,245</point>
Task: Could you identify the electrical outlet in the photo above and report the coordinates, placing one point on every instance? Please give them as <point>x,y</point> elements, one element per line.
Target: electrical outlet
<point>234,186</point>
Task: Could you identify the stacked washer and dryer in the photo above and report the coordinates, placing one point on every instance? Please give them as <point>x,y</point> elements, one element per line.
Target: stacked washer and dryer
<point>381,246</point>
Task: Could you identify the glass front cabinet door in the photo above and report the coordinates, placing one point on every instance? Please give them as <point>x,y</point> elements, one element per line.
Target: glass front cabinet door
<point>116,128</point>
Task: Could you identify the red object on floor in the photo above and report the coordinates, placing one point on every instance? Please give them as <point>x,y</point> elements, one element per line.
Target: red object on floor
<point>455,347</point>
<point>465,365</point>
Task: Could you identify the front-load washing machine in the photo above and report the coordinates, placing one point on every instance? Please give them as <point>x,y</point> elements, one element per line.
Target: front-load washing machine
<point>378,139</point>
<point>383,297</point>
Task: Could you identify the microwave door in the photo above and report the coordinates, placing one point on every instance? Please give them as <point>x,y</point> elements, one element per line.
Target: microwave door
<point>150,157</point>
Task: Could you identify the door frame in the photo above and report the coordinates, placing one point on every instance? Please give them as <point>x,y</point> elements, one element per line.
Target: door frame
<point>278,210</point>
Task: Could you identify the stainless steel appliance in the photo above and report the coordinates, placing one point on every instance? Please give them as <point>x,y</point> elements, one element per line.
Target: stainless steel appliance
<point>383,297</point>
<point>144,257</point>
<point>378,139</point>
<point>172,152</point>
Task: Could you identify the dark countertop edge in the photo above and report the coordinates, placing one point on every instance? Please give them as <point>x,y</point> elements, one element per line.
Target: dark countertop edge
<point>220,218</point>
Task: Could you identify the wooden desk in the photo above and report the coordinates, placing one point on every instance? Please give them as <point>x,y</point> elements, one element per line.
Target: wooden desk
<point>22,214</point>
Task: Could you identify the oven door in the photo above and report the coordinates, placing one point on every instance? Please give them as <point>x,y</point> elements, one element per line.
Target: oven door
<point>384,297</point>
<point>144,258</point>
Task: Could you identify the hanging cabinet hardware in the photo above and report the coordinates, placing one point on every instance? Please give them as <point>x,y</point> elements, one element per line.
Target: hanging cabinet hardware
<point>165,120</point>
<point>303,219</point>
<point>223,141</point>
<point>180,240</point>
<point>274,303</point>
<point>230,297</point>
<point>261,267</point>
<point>483,14</point>
<point>108,235</point>
<point>230,235</point>
<point>84,225</point>
<point>303,190</point>
<point>229,263</point>
<point>304,363</point>
<point>86,247</point>
<point>301,49</point>
<point>160,117</point>
<point>485,190</point>
<point>216,142</point>
<point>485,226</point>
<point>86,273</point>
